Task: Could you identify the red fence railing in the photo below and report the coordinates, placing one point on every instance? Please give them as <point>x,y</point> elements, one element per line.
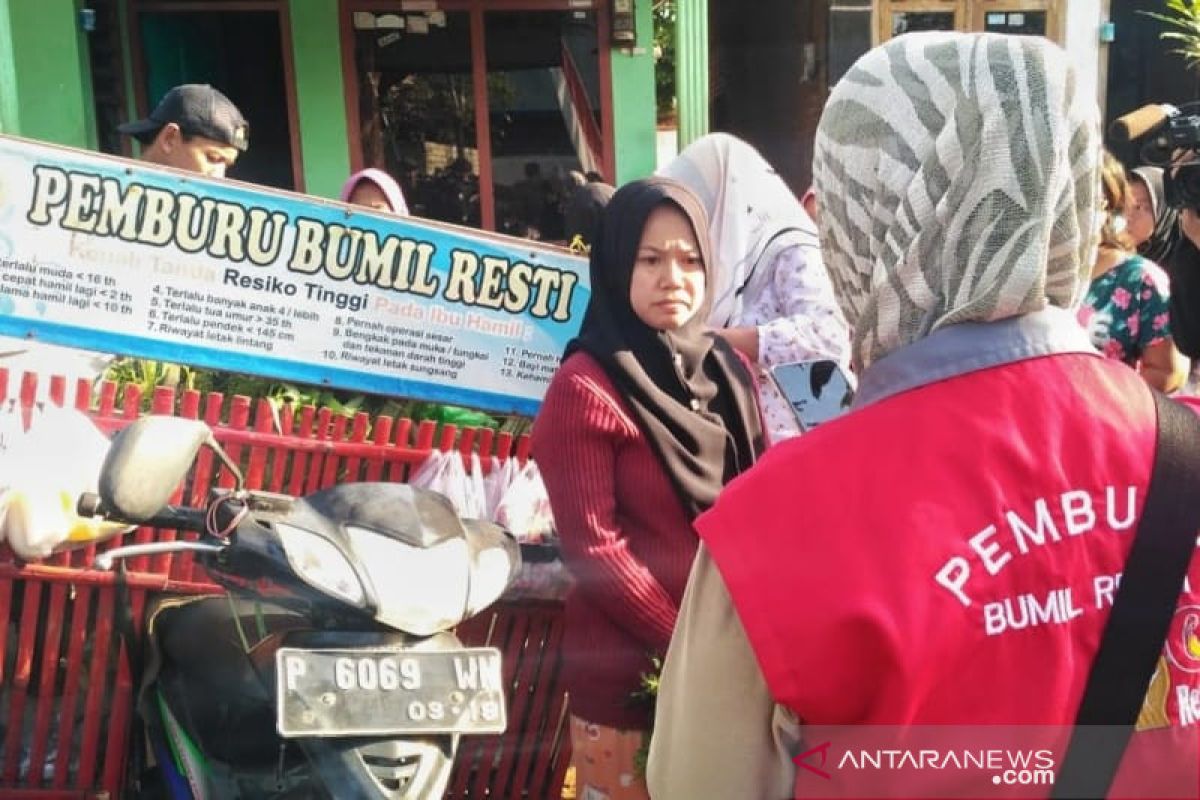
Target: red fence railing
<point>65,689</point>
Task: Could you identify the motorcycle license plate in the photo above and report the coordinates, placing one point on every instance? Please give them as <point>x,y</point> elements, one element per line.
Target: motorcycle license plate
<point>388,692</point>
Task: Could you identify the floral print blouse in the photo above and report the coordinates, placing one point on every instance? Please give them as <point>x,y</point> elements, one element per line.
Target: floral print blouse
<point>1125,310</point>
<point>798,319</point>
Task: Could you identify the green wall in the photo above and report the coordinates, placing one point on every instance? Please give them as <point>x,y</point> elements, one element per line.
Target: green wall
<point>633,101</point>
<point>691,70</point>
<point>320,95</point>
<point>9,118</point>
<point>45,88</point>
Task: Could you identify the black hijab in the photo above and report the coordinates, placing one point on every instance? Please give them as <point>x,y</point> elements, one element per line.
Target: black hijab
<point>1170,249</point>
<point>692,397</point>
<point>1165,237</point>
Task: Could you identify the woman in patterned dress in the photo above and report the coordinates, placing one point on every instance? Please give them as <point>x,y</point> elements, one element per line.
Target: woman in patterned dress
<point>772,298</point>
<point>1126,307</point>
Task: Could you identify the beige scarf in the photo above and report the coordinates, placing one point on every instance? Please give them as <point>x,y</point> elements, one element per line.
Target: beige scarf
<point>958,181</point>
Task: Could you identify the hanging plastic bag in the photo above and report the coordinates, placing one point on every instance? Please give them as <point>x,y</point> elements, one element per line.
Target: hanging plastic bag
<point>437,474</point>
<point>12,431</point>
<point>497,482</point>
<point>542,524</point>
<point>45,470</point>
<point>444,473</point>
<point>525,508</point>
<point>424,475</point>
<point>475,506</point>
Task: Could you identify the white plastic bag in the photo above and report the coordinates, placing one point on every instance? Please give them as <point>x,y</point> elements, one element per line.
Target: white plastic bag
<point>525,508</point>
<point>497,482</point>
<point>44,470</point>
<point>437,474</point>
<point>475,506</point>
<point>12,432</point>
<point>422,476</point>
<point>444,473</point>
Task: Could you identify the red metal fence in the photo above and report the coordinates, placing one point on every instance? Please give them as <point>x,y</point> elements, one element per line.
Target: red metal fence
<point>65,690</point>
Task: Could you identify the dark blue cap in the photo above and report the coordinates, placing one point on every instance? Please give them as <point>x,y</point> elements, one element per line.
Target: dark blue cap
<point>199,110</point>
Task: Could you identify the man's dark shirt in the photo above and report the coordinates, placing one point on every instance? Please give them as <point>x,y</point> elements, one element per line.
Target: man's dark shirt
<point>1183,265</point>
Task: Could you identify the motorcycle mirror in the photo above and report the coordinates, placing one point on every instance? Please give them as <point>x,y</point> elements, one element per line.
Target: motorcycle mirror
<point>147,461</point>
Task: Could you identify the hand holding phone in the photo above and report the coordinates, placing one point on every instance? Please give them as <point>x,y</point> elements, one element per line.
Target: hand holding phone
<point>817,391</point>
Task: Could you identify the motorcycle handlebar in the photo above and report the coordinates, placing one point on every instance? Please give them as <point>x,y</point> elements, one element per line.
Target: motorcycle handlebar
<point>176,517</point>
<point>194,519</point>
<point>105,561</point>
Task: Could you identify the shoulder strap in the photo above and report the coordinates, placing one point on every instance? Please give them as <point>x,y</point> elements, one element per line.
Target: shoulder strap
<point>1142,610</point>
<point>762,251</point>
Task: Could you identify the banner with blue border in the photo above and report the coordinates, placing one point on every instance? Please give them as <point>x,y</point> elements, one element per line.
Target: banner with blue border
<point>119,256</point>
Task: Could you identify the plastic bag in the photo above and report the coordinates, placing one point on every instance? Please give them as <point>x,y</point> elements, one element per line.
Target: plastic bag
<point>12,433</point>
<point>476,493</point>
<point>525,508</point>
<point>444,473</point>
<point>496,483</point>
<point>436,474</point>
<point>43,471</point>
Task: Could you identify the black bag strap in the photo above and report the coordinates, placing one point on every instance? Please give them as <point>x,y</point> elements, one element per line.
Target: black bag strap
<point>757,254</point>
<point>1142,610</point>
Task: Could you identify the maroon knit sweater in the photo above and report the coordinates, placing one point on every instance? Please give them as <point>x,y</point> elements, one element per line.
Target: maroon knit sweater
<point>625,538</point>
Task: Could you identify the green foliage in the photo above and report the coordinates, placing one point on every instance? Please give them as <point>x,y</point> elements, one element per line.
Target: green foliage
<point>664,62</point>
<point>1183,19</point>
<point>147,375</point>
<point>646,696</point>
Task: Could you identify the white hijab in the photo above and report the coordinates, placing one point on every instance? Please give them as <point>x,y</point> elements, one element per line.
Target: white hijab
<point>752,215</point>
<point>957,177</point>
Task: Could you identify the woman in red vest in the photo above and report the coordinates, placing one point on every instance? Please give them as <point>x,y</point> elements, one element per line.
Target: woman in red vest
<point>946,553</point>
<point>647,418</point>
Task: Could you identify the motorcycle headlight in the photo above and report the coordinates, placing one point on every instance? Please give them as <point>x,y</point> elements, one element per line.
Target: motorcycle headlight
<point>421,590</point>
<point>320,563</point>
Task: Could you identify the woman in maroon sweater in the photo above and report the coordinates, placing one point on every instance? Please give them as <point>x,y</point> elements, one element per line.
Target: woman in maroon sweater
<point>645,421</point>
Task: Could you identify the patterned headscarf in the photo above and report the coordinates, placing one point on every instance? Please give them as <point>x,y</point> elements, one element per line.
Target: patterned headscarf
<point>1165,236</point>
<point>752,214</point>
<point>958,180</point>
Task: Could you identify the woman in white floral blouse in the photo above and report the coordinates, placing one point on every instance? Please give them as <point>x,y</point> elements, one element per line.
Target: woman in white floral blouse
<point>772,298</point>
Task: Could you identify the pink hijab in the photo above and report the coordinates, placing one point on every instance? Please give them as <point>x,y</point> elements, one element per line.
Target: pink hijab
<point>386,183</point>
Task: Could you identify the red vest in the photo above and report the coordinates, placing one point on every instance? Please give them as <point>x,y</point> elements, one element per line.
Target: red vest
<point>948,555</point>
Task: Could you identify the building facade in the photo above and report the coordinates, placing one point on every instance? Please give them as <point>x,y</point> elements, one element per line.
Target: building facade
<point>480,108</point>
<point>772,62</point>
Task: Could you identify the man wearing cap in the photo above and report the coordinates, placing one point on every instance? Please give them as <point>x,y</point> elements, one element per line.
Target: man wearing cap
<point>194,128</point>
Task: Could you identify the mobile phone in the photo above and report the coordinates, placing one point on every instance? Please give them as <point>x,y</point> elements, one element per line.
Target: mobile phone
<point>817,391</point>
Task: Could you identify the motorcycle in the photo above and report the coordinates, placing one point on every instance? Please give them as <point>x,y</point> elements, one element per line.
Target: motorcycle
<point>354,685</point>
